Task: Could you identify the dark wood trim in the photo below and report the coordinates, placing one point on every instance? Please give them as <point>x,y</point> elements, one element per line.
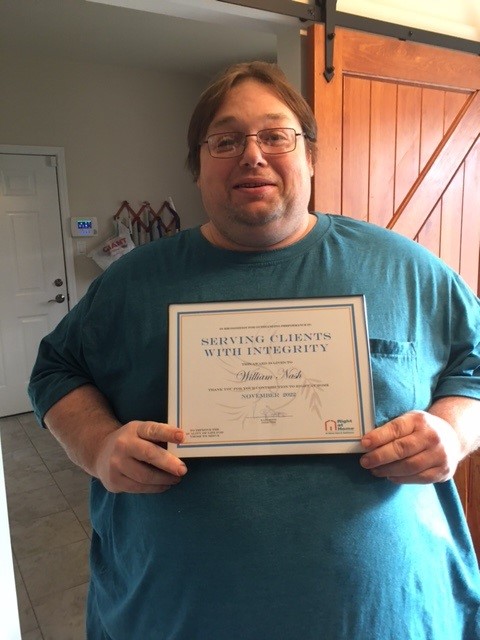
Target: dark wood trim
<point>403,32</point>
<point>315,14</point>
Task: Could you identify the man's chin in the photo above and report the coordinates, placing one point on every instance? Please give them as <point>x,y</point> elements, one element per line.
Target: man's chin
<point>255,217</point>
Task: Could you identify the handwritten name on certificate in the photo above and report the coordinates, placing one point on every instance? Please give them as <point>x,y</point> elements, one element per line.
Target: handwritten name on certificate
<point>270,377</point>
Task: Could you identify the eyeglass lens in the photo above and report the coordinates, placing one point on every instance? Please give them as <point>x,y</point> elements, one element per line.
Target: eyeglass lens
<point>232,143</point>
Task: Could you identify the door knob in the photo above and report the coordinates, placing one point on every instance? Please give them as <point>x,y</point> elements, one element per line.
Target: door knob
<point>58,282</point>
<point>58,298</point>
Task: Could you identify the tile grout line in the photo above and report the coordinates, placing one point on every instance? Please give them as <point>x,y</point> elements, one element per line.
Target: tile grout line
<point>50,473</point>
<point>69,508</point>
<point>17,564</point>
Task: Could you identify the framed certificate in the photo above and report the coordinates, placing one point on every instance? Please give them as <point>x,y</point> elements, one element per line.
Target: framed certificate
<point>270,377</point>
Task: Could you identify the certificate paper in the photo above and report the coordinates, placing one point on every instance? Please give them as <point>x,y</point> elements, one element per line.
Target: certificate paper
<point>270,377</point>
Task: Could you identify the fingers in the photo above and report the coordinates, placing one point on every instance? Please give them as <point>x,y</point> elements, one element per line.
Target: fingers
<point>159,432</point>
<point>398,428</point>
<point>414,448</point>
<point>139,477</point>
<point>147,449</point>
<point>418,469</point>
<point>135,459</point>
<point>396,440</point>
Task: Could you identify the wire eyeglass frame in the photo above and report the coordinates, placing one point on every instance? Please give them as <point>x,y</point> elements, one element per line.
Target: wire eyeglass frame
<point>237,146</point>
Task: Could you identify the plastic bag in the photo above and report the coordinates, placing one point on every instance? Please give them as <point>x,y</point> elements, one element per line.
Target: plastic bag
<point>112,249</point>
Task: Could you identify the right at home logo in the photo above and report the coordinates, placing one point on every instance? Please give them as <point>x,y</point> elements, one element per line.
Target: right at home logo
<point>330,426</point>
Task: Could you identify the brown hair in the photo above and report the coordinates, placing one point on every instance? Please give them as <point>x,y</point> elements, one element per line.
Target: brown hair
<point>212,98</point>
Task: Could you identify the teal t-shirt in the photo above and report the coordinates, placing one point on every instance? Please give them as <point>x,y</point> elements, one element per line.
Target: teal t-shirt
<point>290,547</point>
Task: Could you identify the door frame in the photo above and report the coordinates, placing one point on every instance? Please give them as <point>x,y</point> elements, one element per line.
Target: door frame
<point>67,242</point>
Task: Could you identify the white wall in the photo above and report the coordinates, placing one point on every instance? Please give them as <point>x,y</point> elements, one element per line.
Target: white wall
<point>123,131</point>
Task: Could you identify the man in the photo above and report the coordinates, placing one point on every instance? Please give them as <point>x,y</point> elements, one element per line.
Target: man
<point>334,547</point>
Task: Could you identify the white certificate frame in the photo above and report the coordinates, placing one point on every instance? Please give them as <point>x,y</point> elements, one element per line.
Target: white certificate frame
<point>270,377</point>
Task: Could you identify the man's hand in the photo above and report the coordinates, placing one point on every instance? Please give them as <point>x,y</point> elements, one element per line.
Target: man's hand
<point>133,458</point>
<point>415,448</point>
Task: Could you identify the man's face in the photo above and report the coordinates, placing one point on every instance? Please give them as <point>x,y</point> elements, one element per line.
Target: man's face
<point>255,201</point>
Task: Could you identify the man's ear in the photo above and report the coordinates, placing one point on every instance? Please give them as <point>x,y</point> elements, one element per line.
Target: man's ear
<point>311,151</point>
<point>310,162</point>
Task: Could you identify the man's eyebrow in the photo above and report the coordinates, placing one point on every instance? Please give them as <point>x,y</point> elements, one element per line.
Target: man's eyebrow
<point>232,120</point>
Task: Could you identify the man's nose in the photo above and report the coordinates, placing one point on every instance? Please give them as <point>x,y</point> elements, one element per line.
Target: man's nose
<point>252,154</point>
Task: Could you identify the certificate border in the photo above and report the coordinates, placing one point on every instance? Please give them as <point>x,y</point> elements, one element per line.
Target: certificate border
<point>366,413</point>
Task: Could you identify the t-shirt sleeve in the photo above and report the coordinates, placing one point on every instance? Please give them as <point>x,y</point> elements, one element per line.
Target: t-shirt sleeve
<point>61,366</point>
<point>461,376</point>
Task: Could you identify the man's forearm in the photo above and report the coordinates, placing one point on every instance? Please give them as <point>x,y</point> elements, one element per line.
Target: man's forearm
<point>464,416</point>
<point>80,421</point>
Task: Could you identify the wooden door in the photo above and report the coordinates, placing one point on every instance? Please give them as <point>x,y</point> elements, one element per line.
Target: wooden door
<point>399,146</point>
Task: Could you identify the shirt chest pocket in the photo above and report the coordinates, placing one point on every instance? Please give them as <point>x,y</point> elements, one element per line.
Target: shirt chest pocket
<point>395,378</point>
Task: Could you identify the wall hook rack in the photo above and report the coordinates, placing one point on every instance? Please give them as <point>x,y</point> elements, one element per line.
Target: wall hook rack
<point>146,224</point>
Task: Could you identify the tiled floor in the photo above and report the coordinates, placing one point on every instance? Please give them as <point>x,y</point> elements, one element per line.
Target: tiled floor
<point>48,508</point>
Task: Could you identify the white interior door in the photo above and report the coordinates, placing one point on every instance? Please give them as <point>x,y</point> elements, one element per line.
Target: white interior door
<point>33,285</point>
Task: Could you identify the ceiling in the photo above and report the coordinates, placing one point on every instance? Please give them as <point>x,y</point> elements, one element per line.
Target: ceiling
<point>88,31</point>
<point>189,36</point>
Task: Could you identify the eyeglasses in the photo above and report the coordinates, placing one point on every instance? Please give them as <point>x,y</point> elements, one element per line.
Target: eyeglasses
<point>271,141</point>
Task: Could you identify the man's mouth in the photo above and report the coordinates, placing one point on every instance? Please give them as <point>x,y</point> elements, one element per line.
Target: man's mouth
<point>252,184</point>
